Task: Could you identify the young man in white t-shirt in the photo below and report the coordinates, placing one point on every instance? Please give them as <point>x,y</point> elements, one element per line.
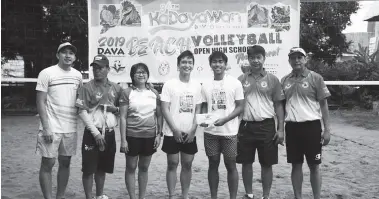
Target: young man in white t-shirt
<point>56,95</point>
<point>223,97</point>
<point>181,101</point>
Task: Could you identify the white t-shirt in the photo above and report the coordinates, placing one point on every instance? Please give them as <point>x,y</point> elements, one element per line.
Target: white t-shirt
<point>220,97</point>
<point>61,87</point>
<point>183,98</point>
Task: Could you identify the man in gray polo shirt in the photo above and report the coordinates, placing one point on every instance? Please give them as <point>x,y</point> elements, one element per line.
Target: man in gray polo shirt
<point>306,105</point>
<point>258,131</point>
<point>97,102</point>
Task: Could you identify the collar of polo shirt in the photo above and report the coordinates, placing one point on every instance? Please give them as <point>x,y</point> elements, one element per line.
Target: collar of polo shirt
<point>262,72</point>
<point>303,74</point>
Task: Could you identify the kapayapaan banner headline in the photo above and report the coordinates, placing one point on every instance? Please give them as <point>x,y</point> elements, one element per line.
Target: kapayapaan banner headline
<point>155,32</point>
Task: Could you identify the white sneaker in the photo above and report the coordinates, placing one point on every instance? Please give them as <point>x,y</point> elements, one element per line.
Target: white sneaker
<point>102,197</point>
<point>249,196</point>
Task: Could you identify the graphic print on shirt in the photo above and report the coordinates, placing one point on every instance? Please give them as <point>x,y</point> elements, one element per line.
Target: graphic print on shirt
<point>263,84</point>
<point>305,85</point>
<point>246,84</point>
<point>186,103</point>
<point>218,99</point>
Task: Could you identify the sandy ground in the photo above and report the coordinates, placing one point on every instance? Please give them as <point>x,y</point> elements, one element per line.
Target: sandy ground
<point>350,167</point>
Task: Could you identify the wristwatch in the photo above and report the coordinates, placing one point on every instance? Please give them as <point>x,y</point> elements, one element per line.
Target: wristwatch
<point>160,134</point>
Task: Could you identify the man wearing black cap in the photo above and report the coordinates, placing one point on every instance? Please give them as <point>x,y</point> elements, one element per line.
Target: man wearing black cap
<point>97,101</point>
<point>306,104</point>
<point>56,94</point>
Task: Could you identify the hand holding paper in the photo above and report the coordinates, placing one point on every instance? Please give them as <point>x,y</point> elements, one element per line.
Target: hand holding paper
<point>207,119</point>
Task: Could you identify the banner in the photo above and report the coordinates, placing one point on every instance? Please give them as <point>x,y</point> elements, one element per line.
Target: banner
<point>155,32</point>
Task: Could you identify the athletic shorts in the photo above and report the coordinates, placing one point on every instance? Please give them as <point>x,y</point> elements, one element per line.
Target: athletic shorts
<point>140,146</point>
<point>63,144</point>
<point>303,138</point>
<point>95,160</point>
<point>254,136</point>
<point>170,146</point>
<point>217,144</point>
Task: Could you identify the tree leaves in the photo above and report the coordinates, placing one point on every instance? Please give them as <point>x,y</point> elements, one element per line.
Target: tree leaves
<point>321,25</point>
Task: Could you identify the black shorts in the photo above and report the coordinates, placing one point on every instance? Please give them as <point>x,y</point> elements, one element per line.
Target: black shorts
<point>170,146</point>
<point>303,138</point>
<point>92,158</point>
<point>254,136</point>
<point>140,146</point>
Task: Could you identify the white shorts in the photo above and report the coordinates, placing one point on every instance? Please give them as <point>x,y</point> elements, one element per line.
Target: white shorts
<point>63,144</point>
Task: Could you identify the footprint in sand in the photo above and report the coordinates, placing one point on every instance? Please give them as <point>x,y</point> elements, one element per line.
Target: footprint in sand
<point>340,196</point>
<point>364,162</point>
<point>357,194</point>
<point>335,163</point>
<point>279,176</point>
<point>33,194</point>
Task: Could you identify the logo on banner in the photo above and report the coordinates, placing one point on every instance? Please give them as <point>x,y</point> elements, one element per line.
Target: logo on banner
<point>126,13</point>
<point>276,17</point>
<point>169,18</point>
<point>164,68</point>
<point>117,67</point>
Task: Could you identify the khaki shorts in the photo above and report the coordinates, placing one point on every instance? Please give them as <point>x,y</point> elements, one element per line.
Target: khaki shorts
<point>63,144</point>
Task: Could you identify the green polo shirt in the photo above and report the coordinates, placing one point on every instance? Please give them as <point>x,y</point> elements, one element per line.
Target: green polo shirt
<point>260,94</point>
<point>91,95</point>
<point>303,94</point>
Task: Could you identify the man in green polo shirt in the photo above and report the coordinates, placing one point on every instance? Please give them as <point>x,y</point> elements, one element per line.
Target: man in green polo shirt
<point>306,105</point>
<point>258,131</point>
<point>97,102</point>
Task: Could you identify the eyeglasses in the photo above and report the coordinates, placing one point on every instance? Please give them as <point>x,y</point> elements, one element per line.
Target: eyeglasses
<point>140,73</point>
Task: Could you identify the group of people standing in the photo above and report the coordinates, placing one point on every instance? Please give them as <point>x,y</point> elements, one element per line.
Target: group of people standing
<point>250,113</point>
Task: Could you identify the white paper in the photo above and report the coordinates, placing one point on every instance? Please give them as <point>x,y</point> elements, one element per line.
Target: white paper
<point>206,118</point>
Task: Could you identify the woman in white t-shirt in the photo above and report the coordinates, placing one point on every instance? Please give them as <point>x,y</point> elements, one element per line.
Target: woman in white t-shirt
<point>140,127</point>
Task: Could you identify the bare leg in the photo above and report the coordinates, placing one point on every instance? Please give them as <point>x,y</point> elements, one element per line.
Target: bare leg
<point>247,177</point>
<point>213,176</point>
<point>143,175</point>
<point>45,177</point>
<point>99,180</point>
<point>231,167</point>
<point>63,175</point>
<point>131,165</point>
<point>172,165</point>
<point>87,179</point>
<point>315,178</point>
<point>186,173</point>
<point>266,175</point>
<point>297,179</point>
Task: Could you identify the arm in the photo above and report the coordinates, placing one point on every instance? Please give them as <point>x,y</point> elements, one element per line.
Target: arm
<point>100,141</point>
<point>325,118</point>
<point>159,119</point>
<point>204,107</point>
<point>167,116</point>
<point>123,125</point>
<point>191,134</point>
<point>279,110</point>
<point>83,114</point>
<point>236,112</point>
<point>41,108</point>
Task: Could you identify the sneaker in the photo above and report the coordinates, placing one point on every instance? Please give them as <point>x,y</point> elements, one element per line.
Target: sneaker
<point>265,198</point>
<point>102,197</point>
<point>249,196</point>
